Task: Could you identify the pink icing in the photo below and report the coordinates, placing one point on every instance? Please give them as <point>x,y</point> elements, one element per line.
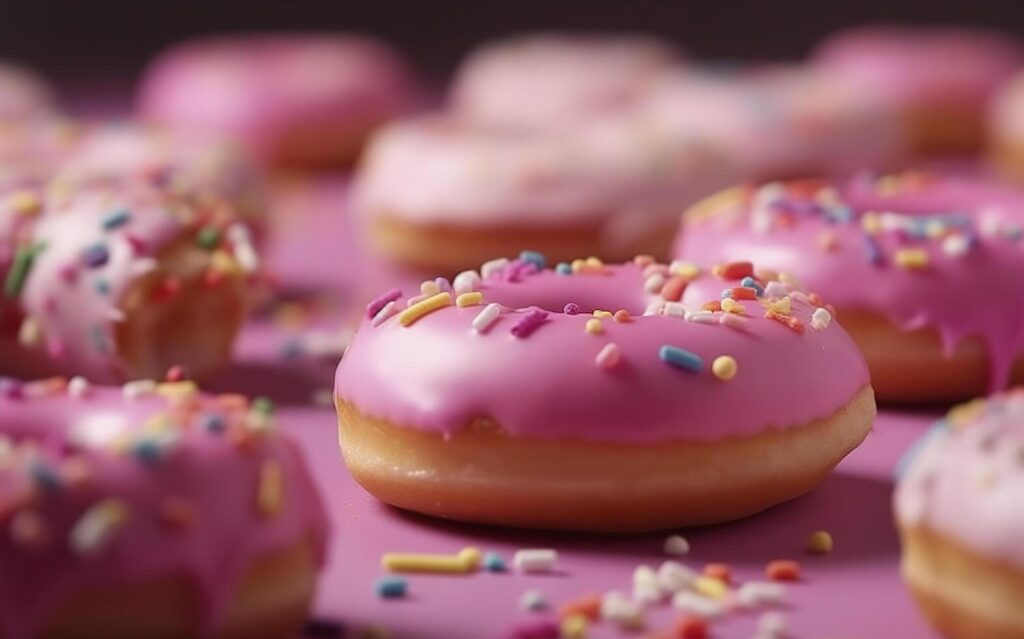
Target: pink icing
<point>61,455</point>
<point>23,94</point>
<point>550,80</point>
<point>816,232</point>
<point>258,89</point>
<point>967,480</point>
<point>923,67</point>
<point>439,373</point>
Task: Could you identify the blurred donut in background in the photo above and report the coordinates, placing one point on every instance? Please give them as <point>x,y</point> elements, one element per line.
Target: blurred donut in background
<point>1006,129</point>
<point>439,193</point>
<point>294,101</point>
<point>23,94</point>
<point>941,79</point>
<point>550,79</point>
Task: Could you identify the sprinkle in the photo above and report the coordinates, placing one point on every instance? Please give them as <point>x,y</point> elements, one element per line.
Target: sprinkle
<point>654,283</point>
<point>609,356</point>
<point>673,288</point>
<point>493,267</point>
<point>493,562</point>
<point>718,571</point>
<point>730,305</point>
<point>680,358</point>
<point>20,268</point>
<point>820,543</point>
<point>772,625</point>
<point>138,388</point>
<point>573,627</point>
<point>733,270</point>
<point>469,299</point>
<point>429,288</point>
<point>535,258</point>
<point>78,387</point>
<point>177,390</point>
<point>563,268</point>
<point>95,256</point>
<point>750,282</point>
<point>701,317</point>
<point>691,627</point>
<point>599,314</point>
<point>535,560</point>
<point>789,321</point>
<point>820,319</point>
<point>532,600</point>
<point>380,302</point>
<point>241,240</point>
<point>782,570</point>
<point>465,561</point>
<point>783,306</point>
<point>674,576</point>
<point>594,326</point>
<point>871,223</point>
<point>466,282</point>
<point>676,546</point>
<point>956,245</point>
<point>757,593</point>
<point>714,306</point>
<point>30,332</point>
<point>589,606</point>
<point>115,219</point>
<point>178,514</point>
<point>391,587</point>
<point>674,309</point>
<point>571,309</point>
<point>486,317</point>
<point>29,530</point>
<point>45,476</point>
<point>710,587</point>
<point>655,268</point>
<point>24,203</point>
<point>443,284</point>
<point>214,423</point>
<point>384,314</point>
<point>528,323</point>
<point>873,251</point>
<point>270,492</point>
<point>97,527</point>
<point>424,307</point>
<point>684,269</point>
<point>622,316</point>
<point>643,260</point>
<point>739,293</point>
<point>696,604</point>
<point>911,259</point>
<point>774,290</point>
<point>627,614</point>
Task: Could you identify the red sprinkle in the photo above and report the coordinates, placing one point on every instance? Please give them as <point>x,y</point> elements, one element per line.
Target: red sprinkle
<point>734,270</point>
<point>787,320</point>
<point>714,306</point>
<point>175,374</point>
<point>673,288</point>
<point>719,571</point>
<point>622,315</point>
<point>690,627</point>
<point>782,570</point>
<point>743,293</point>
<point>588,605</point>
<point>167,289</point>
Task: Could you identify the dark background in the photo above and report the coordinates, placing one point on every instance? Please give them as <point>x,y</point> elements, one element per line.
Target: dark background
<point>89,43</point>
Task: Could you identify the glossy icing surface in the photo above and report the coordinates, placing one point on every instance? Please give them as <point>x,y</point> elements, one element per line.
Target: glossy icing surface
<point>539,376</point>
<point>922,250</point>
<point>23,94</point>
<point>103,487</point>
<point>258,89</point>
<point>549,79</point>
<point>967,479</point>
<point>925,67</point>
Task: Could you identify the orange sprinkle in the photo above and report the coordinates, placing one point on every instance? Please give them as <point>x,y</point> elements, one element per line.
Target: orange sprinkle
<point>691,627</point>
<point>734,270</point>
<point>743,293</point>
<point>588,605</point>
<point>673,288</point>
<point>783,570</point>
<point>714,306</point>
<point>719,571</point>
<point>622,315</point>
<point>788,320</point>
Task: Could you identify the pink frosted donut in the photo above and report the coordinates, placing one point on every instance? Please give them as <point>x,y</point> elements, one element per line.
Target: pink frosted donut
<point>192,508</point>
<point>441,194</point>
<point>292,99</point>
<point>779,121</point>
<point>961,520</point>
<point>549,79</point>
<point>119,282</point>
<point>940,78</point>
<point>23,95</point>
<point>592,397</point>
<point>912,262</point>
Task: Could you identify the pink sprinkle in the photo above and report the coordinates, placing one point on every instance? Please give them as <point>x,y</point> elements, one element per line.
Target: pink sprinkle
<point>374,307</point>
<point>517,269</point>
<point>528,323</point>
<point>443,285</point>
<point>732,320</point>
<point>571,309</point>
<point>609,356</point>
<point>69,273</point>
<point>139,245</point>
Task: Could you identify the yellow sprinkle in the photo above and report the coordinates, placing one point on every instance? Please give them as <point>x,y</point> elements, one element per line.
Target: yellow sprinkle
<point>723,200</point>
<point>423,307</point>
<point>962,414</point>
<point>574,626</point>
<point>595,327</point>
<point>24,203</point>
<point>711,587</point>
<point>469,299</point>
<point>466,560</point>
<point>911,259</point>
<point>223,262</point>
<point>871,223</point>
<point>177,390</point>
<point>730,305</point>
<point>429,287</point>
<point>594,262</point>
<point>270,492</point>
<point>578,265</point>
<point>684,269</point>
<point>30,333</point>
<point>782,306</point>
<point>888,185</point>
<point>820,542</point>
<point>724,367</point>
<point>602,314</point>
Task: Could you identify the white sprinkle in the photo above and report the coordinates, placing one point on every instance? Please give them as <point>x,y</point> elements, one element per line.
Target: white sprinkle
<point>532,600</point>
<point>466,282</point>
<point>618,608</point>
<point>645,585</point>
<point>387,311</point>
<point>493,267</point>
<point>687,601</point>
<point>772,625</point>
<point>535,559</point>
<point>675,309</point>
<point>674,576</point>
<point>702,317</point>
<point>800,296</point>
<point>775,289</point>
<point>732,320</point>
<point>676,545</point>
<point>97,527</point>
<point>609,356</point>
<point>245,254</point>
<point>758,593</point>
<point>116,315</point>
<point>820,319</point>
<point>143,266</point>
<point>138,388</point>
<point>769,193</point>
<point>955,245</point>
<point>654,308</point>
<point>486,317</point>
<point>654,283</point>
<point>78,387</point>
<point>429,287</point>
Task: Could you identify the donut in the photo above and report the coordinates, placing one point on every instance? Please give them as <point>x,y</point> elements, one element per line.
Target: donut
<point>1006,129</point>
<point>24,96</point>
<point>294,100</point>
<point>779,121</point>
<point>599,397</point>
<point>151,510</point>
<point>912,262</point>
<point>441,195</point>
<point>940,79</point>
<point>961,520</point>
<point>547,79</point>
<point>121,282</point>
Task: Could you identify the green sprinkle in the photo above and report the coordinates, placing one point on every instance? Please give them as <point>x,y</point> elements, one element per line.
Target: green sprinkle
<point>20,268</point>
<point>208,238</point>
<point>262,405</point>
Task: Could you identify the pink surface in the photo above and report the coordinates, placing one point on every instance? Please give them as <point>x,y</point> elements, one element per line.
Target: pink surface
<point>853,592</point>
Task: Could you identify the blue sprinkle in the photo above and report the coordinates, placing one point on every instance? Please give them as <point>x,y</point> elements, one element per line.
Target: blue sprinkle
<point>147,450</point>
<point>839,214</point>
<point>873,250</point>
<point>563,268</point>
<point>44,476</point>
<point>726,293</point>
<point>681,358</point>
<point>99,339</point>
<point>292,349</point>
<point>535,258</point>
<point>493,562</point>
<point>116,219</point>
<point>749,282</point>
<point>102,286</point>
<point>391,587</point>
<point>95,256</point>
<point>214,423</point>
